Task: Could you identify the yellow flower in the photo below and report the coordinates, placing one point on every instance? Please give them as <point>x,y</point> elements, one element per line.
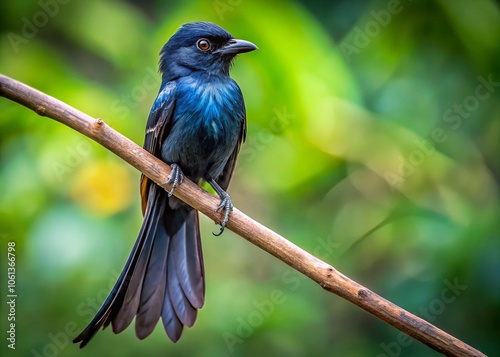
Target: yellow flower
<point>103,187</point>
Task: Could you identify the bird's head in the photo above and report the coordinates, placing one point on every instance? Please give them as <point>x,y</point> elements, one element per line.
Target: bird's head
<point>200,46</point>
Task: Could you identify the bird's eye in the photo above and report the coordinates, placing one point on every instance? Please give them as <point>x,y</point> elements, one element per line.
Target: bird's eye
<point>203,44</point>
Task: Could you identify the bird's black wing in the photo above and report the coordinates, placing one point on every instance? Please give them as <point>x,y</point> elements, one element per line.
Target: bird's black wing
<point>157,129</point>
<point>227,173</point>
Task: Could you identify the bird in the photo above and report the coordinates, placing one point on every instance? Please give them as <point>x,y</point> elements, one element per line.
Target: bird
<point>196,125</point>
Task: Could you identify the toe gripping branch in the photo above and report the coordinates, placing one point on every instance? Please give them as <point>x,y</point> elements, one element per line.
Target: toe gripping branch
<point>225,204</point>
<point>175,178</point>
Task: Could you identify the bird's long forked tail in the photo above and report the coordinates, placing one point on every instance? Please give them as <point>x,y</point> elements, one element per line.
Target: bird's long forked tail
<point>163,276</point>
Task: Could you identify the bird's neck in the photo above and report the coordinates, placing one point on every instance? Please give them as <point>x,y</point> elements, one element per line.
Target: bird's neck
<point>180,71</point>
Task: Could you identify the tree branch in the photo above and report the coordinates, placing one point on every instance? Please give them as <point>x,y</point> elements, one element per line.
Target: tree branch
<point>322,273</point>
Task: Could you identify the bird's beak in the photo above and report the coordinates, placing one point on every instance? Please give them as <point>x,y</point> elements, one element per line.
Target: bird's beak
<point>234,47</point>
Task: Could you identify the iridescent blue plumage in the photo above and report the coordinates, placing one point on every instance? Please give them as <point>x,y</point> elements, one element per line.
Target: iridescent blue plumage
<point>206,125</point>
<point>197,124</point>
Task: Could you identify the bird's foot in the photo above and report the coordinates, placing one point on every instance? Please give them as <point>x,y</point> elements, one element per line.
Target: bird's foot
<point>175,178</point>
<point>227,206</point>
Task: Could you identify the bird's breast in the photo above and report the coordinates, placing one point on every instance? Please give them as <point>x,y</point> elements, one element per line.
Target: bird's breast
<point>213,109</point>
<point>206,125</point>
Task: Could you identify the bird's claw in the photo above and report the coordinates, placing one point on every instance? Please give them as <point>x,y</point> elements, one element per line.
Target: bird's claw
<point>226,205</point>
<point>175,178</point>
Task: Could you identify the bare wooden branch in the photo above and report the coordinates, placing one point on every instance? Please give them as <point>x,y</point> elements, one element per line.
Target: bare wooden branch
<point>325,275</point>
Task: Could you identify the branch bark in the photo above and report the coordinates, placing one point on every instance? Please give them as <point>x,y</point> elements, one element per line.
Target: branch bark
<point>322,273</point>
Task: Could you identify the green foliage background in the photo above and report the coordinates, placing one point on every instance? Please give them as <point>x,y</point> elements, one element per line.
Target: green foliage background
<point>369,145</point>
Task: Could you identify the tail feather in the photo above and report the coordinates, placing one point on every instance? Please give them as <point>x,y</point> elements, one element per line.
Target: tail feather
<point>154,237</point>
<point>163,276</point>
<point>189,263</point>
<point>185,312</point>
<point>171,323</point>
<point>153,290</point>
<point>115,297</point>
<point>128,308</point>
